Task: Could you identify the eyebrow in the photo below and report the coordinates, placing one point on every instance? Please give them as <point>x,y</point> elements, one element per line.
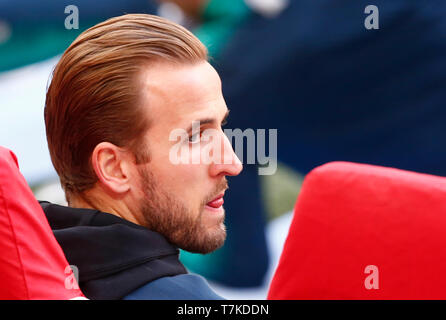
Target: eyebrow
<point>209,120</point>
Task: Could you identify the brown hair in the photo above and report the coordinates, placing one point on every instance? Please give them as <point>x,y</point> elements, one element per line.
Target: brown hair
<point>94,92</point>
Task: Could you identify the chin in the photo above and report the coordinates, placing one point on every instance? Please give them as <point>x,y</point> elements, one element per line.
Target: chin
<point>206,241</point>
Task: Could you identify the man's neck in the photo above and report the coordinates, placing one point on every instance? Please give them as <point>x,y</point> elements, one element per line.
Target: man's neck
<point>93,200</point>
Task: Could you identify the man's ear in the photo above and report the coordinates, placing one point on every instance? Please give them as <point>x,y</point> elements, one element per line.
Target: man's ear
<point>112,167</point>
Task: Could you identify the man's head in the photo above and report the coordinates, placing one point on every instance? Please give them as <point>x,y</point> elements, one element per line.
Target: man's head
<point>116,95</point>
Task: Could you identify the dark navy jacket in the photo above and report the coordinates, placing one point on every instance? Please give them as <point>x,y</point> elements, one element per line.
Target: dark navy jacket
<point>118,259</point>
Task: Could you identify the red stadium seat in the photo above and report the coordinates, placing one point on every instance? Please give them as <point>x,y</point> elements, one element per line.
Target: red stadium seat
<point>365,232</point>
<point>32,264</point>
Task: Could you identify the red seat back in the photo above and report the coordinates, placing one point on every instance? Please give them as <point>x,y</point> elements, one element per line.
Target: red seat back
<point>32,264</point>
<point>365,232</point>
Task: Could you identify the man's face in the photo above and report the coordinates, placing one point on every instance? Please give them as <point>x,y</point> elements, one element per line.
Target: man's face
<point>184,201</point>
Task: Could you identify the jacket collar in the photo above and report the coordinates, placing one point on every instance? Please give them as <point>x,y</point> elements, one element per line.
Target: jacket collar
<point>102,245</point>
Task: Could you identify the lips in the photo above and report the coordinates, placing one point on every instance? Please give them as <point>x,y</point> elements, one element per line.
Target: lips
<point>217,202</point>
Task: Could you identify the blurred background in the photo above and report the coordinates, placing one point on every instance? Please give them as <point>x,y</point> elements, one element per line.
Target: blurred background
<point>333,89</point>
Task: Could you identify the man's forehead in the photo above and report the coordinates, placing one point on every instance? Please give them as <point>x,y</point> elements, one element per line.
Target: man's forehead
<point>182,82</point>
<point>177,92</point>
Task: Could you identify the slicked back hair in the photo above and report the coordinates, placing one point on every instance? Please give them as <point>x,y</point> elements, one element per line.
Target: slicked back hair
<point>94,95</point>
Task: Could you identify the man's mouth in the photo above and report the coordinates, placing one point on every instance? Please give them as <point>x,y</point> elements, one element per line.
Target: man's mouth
<point>216,202</point>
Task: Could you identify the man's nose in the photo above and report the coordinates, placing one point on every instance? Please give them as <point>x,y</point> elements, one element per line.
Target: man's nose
<point>230,164</point>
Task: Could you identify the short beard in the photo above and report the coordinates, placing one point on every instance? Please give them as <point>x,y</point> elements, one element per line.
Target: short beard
<point>163,213</point>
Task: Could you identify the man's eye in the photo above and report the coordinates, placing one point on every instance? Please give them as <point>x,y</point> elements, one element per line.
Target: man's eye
<point>195,138</point>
